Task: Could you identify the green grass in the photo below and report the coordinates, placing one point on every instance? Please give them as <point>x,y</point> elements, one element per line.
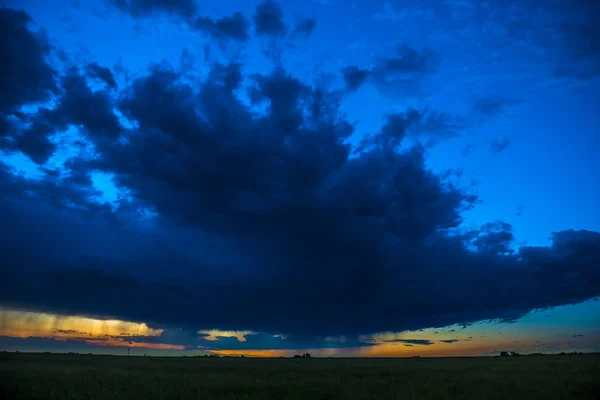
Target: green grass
<point>61,376</point>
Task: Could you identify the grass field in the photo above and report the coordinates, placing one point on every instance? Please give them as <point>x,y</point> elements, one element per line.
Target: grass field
<point>57,376</point>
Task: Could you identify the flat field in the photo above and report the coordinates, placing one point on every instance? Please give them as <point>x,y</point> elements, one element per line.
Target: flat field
<point>62,376</point>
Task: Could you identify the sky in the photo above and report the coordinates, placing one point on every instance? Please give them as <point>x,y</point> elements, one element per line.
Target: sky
<point>266,178</point>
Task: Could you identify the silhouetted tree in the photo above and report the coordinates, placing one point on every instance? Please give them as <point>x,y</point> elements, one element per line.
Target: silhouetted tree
<point>504,354</point>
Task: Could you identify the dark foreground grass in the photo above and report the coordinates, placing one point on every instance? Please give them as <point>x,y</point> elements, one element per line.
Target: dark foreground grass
<point>42,376</point>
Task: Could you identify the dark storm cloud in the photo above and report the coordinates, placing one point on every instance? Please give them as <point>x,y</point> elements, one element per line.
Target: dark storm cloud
<point>493,105</point>
<point>79,105</point>
<point>268,19</point>
<point>235,27</point>
<point>35,141</point>
<point>95,70</point>
<point>498,145</point>
<point>76,105</point>
<point>26,77</point>
<point>73,192</point>
<point>264,221</point>
<point>493,238</point>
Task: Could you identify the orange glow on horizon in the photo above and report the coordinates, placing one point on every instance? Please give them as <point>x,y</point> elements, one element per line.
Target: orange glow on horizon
<point>533,334</point>
<point>26,324</point>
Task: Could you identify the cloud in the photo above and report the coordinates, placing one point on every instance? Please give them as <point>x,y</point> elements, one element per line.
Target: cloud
<point>561,35</point>
<point>493,105</point>
<point>493,238</point>
<point>181,8</point>
<point>407,61</point>
<point>450,341</point>
<point>558,35</point>
<point>579,54</point>
<point>412,342</point>
<point>28,79</point>
<point>76,105</point>
<point>27,76</point>
<point>305,27</point>
<point>252,213</point>
<point>268,19</point>
<point>94,70</point>
<point>428,126</point>
<point>234,27</point>
<point>498,145</point>
<point>35,141</point>
<point>402,70</point>
<point>354,77</point>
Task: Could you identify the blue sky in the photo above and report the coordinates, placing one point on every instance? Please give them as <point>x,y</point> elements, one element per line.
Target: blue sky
<point>506,98</point>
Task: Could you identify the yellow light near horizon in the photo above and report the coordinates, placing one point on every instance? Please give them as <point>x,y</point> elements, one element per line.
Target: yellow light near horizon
<point>214,334</point>
<point>25,324</point>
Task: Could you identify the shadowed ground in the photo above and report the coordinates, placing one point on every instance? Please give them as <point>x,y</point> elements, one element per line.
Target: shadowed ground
<point>60,376</point>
